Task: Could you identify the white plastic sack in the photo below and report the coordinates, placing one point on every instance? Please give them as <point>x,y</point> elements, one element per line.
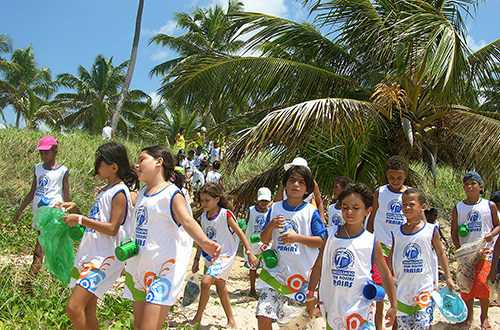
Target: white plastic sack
<point>296,318</point>
<point>467,257</point>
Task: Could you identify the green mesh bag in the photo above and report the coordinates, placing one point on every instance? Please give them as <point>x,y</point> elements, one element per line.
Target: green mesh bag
<point>55,241</point>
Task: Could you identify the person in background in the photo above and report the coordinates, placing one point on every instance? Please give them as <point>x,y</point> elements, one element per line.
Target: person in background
<point>214,175</point>
<point>51,180</point>
<point>180,141</point>
<point>199,137</point>
<point>107,132</point>
<point>431,217</point>
<point>335,211</point>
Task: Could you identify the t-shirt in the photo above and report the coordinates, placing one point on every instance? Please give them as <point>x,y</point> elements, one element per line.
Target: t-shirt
<point>107,132</point>
<point>49,183</point>
<point>215,154</point>
<point>389,216</point>
<point>346,268</point>
<point>255,225</point>
<point>213,176</point>
<point>198,179</point>
<point>295,260</point>
<point>335,216</point>
<point>413,261</point>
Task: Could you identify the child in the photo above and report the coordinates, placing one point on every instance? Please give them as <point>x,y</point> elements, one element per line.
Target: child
<point>190,164</point>
<point>415,248</point>
<point>180,141</point>
<point>219,224</point>
<point>50,180</point>
<point>431,217</point>
<point>335,211</point>
<point>214,175</point>
<point>108,222</point>
<point>344,267</point>
<point>198,179</point>
<point>296,230</point>
<point>387,215</point>
<point>215,152</point>
<point>481,218</point>
<point>495,266</point>
<point>197,156</point>
<point>163,231</point>
<point>255,223</point>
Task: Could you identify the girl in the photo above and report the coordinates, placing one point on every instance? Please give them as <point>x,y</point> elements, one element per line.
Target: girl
<point>344,266</point>
<point>163,231</point>
<point>180,141</point>
<point>108,222</point>
<point>219,224</point>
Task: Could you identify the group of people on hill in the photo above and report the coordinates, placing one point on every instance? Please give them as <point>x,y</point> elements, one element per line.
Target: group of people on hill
<point>368,238</point>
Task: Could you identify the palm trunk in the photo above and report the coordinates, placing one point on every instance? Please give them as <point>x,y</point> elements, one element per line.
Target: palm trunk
<point>130,69</point>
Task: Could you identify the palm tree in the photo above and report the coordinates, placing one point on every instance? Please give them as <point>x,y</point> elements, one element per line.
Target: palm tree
<point>131,66</point>
<point>210,35</point>
<point>96,96</point>
<point>403,66</point>
<point>27,87</point>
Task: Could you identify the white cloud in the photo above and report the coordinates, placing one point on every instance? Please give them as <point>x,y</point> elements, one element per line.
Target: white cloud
<point>475,45</point>
<point>169,28</point>
<point>160,55</point>
<point>270,7</point>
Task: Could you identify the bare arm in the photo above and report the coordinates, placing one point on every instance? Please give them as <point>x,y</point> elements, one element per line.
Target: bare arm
<point>314,279</point>
<point>279,193</point>
<point>371,218</point>
<point>443,260</point>
<point>182,215</point>
<point>293,237</point>
<point>118,210</point>
<point>266,234</point>
<point>66,193</point>
<point>454,228</point>
<point>388,283</point>
<point>389,259</point>
<point>319,201</point>
<point>26,201</point>
<point>252,260</point>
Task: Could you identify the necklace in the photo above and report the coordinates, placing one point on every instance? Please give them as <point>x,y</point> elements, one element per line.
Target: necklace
<point>156,189</point>
<point>112,184</point>
<point>410,222</point>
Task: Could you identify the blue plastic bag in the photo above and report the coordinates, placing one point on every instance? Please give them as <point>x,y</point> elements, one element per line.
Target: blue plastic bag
<point>55,241</point>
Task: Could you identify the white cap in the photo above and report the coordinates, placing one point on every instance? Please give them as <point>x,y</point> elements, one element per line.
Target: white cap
<point>264,194</point>
<point>299,161</point>
<point>203,129</point>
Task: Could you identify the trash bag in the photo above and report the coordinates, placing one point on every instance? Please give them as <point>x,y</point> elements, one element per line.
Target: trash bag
<point>467,257</point>
<point>55,241</point>
<point>191,290</point>
<point>296,318</point>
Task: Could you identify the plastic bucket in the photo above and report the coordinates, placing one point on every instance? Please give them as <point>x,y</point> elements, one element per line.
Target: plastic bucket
<point>76,232</point>
<point>127,249</point>
<point>270,258</point>
<point>371,291</point>
<point>463,230</point>
<point>255,238</point>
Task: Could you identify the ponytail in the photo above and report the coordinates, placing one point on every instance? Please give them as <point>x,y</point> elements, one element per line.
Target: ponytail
<point>131,179</point>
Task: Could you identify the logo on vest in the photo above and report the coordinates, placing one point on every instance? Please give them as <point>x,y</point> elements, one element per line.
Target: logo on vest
<point>395,206</point>
<point>141,218</point>
<point>211,232</point>
<point>337,220</point>
<point>394,216</point>
<point>259,224</point>
<point>412,260</point>
<point>474,221</point>
<point>343,259</point>
<point>288,247</point>
<point>41,188</point>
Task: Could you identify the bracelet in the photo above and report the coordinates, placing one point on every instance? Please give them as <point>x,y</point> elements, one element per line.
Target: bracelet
<point>80,219</point>
<point>310,293</point>
<point>309,298</point>
<point>196,259</point>
<point>249,251</point>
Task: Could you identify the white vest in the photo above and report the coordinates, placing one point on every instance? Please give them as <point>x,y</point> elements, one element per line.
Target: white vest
<point>346,268</point>
<point>295,260</point>
<point>255,225</point>
<point>413,262</point>
<point>213,176</point>
<point>478,219</point>
<point>49,183</point>
<point>335,216</point>
<point>389,216</point>
<point>217,229</point>
<point>164,249</point>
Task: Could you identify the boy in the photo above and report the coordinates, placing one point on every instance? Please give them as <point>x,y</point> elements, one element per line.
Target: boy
<point>190,164</point>
<point>198,178</point>
<point>50,180</point>
<point>255,223</point>
<point>335,211</point>
<point>415,247</point>
<point>215,153</point>
<point>495,265</point>
<point>197,156</point>
<point>481,218</point>
<point>387,215</point>
<point>214,176</point>
<point>297,232</point>
<point>431,217</point>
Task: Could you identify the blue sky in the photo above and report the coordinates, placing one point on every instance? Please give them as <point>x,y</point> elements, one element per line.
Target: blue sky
<point>66,34</point>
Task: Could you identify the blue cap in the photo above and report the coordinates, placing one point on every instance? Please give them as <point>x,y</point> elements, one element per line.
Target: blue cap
<point>472,175</point>
<point>451,305</point>
<point>495,197</point>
